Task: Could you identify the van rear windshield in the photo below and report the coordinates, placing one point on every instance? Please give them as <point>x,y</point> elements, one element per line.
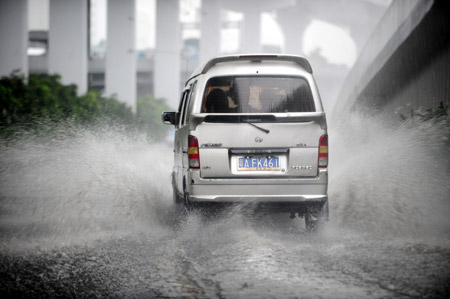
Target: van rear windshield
<point>259,94</point>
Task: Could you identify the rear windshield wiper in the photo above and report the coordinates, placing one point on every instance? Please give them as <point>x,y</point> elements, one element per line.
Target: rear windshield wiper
<point>260,128</point>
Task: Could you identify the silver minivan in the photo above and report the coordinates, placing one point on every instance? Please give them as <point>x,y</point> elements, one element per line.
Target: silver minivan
<point>251,129</point>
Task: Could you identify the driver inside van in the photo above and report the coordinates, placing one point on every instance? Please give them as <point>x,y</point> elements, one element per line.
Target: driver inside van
<point>219,101</point>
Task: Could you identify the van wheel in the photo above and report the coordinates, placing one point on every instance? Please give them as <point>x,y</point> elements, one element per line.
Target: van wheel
<point>186,204</point>
<point>312,222</point>
<point>315,217</point>
<point>179,210</point>
<point>177,199</point>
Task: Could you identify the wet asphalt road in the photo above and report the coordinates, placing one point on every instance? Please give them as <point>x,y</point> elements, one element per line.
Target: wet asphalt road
<point>231,257</point>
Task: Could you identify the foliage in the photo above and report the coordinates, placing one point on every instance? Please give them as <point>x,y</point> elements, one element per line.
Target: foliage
<point>439,116</point>
<point>44,101</point>
<point>149,112</point>
<point>424,115</point>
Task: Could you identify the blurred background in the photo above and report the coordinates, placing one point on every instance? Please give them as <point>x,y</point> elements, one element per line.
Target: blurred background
<point>131,58</point>
<point>139,47</point>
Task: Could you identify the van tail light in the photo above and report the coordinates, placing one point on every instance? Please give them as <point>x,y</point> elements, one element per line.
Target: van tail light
<point>323,151</point>
<point>193,155</point>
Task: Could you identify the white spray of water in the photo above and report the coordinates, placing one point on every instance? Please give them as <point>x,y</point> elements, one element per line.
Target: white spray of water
<point>390,178</point>
<point>82,184</point>
<point>86,184</point>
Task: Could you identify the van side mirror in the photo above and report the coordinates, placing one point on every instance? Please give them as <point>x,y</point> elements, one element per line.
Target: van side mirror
<point>169,118</point>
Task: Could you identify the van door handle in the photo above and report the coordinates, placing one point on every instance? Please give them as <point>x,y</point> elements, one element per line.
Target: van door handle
<point>185,151</point>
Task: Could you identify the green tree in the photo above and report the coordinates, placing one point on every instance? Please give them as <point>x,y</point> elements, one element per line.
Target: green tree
<point>44,100</point>
<point>149,112</point>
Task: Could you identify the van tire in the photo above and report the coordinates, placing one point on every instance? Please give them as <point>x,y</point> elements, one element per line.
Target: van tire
<point>186,203</point>
<point>316,217</point>
<point>312,222</point>
<point>177,199</point>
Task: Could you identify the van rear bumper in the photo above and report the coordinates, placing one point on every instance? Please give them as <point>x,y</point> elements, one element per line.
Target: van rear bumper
<point>287,190</point>
<point>251,197</point>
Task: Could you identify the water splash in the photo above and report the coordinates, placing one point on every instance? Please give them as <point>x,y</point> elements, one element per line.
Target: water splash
<point>82,183</point>
<point>390,178</point>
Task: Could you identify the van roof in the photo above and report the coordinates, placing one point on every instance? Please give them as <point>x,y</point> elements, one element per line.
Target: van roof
<point>252,57</point>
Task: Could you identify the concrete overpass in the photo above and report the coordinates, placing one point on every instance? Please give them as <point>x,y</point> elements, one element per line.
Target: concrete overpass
<point>405,63</point>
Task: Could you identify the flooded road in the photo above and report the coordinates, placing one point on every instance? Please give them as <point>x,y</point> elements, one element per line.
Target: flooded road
<point>88,213</point>
<point>232,261</point>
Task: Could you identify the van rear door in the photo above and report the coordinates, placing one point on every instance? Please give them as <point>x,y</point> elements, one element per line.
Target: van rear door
<point>242,146</point>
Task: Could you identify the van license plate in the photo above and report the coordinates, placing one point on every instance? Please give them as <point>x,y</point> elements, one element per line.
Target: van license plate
<point>258,163</point>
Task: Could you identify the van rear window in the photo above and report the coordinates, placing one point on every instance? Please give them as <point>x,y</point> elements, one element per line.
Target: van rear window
<point>259,94</point>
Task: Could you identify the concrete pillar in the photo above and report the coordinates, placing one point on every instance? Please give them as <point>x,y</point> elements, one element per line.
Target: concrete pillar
<point>167,57</point>
<point>13,36</point>
<point>210,30</point>
<point>251,32</point>
<point>67,40</point>
<point>120,76</point>
<point>293,21</point>
<point>293,29</point>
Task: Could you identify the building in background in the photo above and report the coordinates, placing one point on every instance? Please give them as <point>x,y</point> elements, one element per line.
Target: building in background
<point>216,27</point>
